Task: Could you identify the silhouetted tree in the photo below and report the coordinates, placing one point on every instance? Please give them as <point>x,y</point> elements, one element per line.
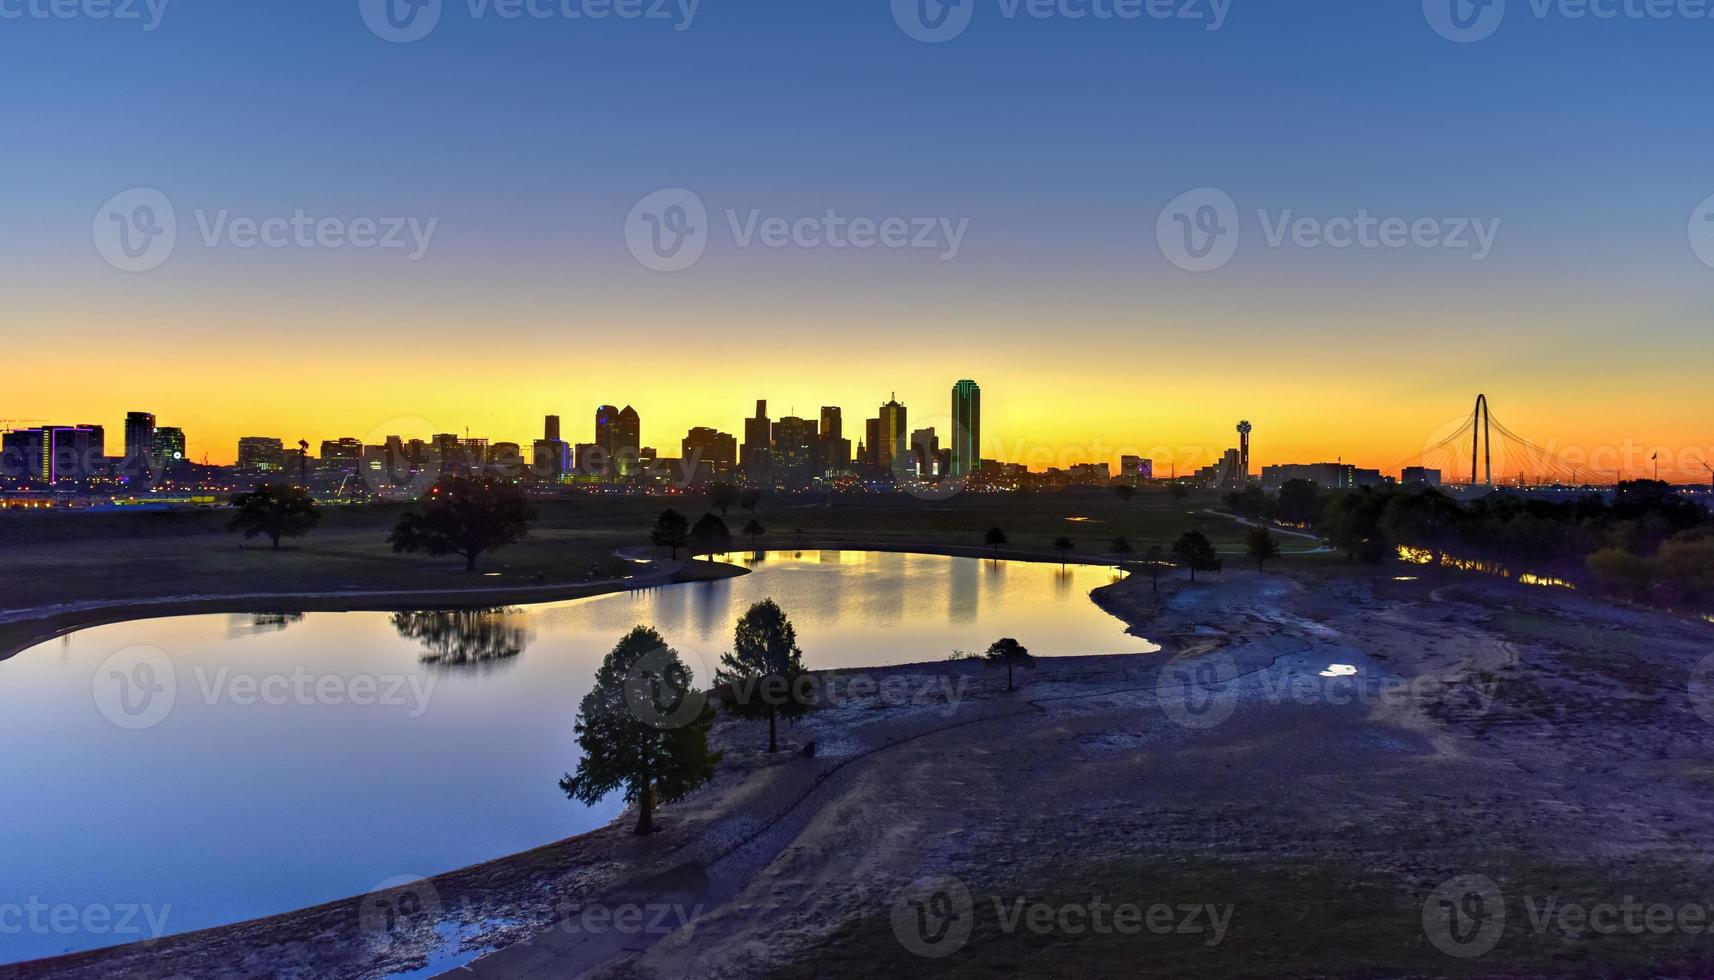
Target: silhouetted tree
<point>1251,501</point>
<point>710,536</point>
<point>763,673</point>
<point>646,753</point>
<point>1121,546</point>
<point>672,530</point>
<point>1623,573</point>
<point>1009,653</point>
<point>755,530</point>
<point>274,510</point>
<point>1063,546</point>
<point>994,539</point>
<point>465,516</point>
<point>721,496</point>
<point>750,501</point>
<point>1156,563</point>
<point>1427,519</point>
<point>464,637</point>
<point>1124,491</point>
<point>1261,545</point>
<point>1299,502</point>
<point>1352,522</point>
<point>1194,552</point>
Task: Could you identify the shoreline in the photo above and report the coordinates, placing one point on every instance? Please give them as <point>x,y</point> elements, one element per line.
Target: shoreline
<point>575,856</point>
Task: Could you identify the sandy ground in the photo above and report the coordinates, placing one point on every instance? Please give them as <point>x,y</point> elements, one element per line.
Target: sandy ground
<point>1542,739</point>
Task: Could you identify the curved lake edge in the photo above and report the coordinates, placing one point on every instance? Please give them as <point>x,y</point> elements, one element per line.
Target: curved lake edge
<point>573,858</point>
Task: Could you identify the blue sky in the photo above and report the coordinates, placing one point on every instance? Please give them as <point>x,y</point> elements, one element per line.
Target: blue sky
<point>1059,141</point>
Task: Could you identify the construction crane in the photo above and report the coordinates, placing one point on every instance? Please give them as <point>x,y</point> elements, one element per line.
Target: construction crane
<point>1710,470</point>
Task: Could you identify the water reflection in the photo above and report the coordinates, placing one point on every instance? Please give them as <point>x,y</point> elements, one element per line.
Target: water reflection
<point>459,638</point>
<point>259,623</point>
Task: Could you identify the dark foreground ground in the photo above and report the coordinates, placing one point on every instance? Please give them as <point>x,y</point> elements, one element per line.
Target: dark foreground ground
<point>1514,782</point>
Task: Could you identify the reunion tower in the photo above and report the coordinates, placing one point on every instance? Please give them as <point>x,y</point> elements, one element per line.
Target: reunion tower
<point>1244,429</point>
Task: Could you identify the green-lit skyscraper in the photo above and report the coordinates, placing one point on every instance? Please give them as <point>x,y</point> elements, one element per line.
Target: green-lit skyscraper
<point>966,428</point>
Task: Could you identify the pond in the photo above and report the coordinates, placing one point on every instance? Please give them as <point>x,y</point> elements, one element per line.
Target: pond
<point>172,774</point>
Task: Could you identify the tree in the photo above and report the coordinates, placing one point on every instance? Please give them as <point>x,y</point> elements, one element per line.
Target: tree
<point>710,536</point>
<point>1251,501</point>
<point>1009,653</point>
<point>654,755</point>
<point>1427,520</point>
<point>1195,553</point>
<point>466,516</point>
<point>722,496</point>
<point>1063,546</point>
<point>672,530</point>
<point>1124,491</point>
<point>1620,571</point>
<point>276,511</point>
<point>994,539</point>
<point>1299,502</point>
<point>755,530</point>
<point>750,501</point>
<point>1352,521</point>
<point>1121,546</point>
<point>1156,561</point>
<point>765,668</point>
<point>1261,545</point>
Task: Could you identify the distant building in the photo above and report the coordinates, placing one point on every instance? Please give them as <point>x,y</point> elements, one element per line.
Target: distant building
<point>757,451</point>
<point>890,446</point>
<point>835,448</point>
<point>54,453</point>
<point>169,444</point>
<point>550,429</point>
<point>925,454</point>
<point>708,455</point>
<point>1136,470</point>
<point>966,428</point>
<point>258,455</point>
<point>1090,474</point>
<point>796,451</point>
<point>1228,472</point>
<point>1327,476</point>
<point>1419,476</point>
<point>139,435</point>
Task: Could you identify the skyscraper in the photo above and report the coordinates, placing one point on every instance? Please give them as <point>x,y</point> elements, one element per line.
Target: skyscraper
<point>795,451</point>
<point>891,433</point>
<point>966,428</point>
<point>550,429</point>
<point>139,435</point>
<point>629,452</point>
<point>757,456</point>
<point>605,461</point>
<point>709,454</point>
<point>169,444</point>
<point>835,448</point>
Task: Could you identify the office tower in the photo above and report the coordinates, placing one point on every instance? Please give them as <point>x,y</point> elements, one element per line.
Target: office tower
<point>709,454</point>
<point>260,454</point>
<point>552,459</point>
<point>835,448</point>
<point>341,457</point>
<point>891,434</point>
<point>966,428</point>
<point>169,445</point>
<point>925,453</point>
<point>1135,470</point>
<point>795,451</point>
<point>550,429</point>
<point>139,435</point>
<point>55,452</point>
<point>757,451</point>
<point>628,453</point>
<point>871,454</point>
